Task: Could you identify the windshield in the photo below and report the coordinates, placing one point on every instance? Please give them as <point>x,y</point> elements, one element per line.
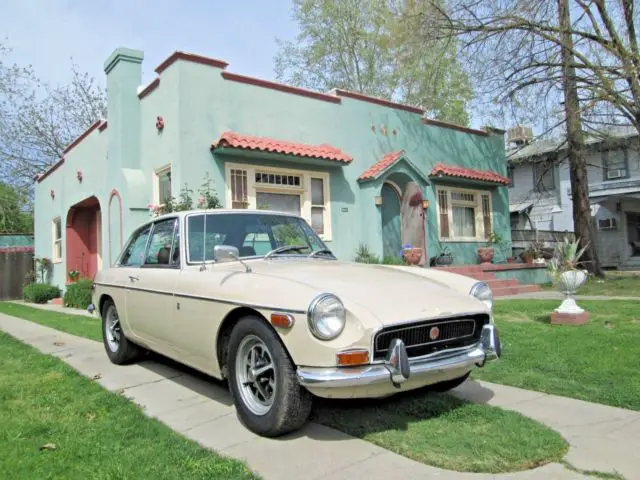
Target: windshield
<point>253,234</point>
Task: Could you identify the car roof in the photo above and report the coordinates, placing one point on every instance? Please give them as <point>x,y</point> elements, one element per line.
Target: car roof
<point>221,211</point>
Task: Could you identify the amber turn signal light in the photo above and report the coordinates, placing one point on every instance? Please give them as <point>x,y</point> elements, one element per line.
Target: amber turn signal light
<point>283,320</point>
<point>353,357</point>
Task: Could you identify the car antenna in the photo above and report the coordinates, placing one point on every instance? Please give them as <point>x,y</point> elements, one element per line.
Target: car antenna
<point>204,243</point>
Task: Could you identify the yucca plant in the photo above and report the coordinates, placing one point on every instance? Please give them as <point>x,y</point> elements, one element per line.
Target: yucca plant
<point>566,256</point>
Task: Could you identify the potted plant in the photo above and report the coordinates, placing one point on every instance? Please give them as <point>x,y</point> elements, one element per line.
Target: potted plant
<point>486,253</point>
<point>411,255</point>
<point>566,274</point>
<point>445,257</point>
<point>73,275</point>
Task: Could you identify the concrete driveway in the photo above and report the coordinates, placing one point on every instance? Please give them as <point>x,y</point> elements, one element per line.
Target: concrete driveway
<point>601,438</point>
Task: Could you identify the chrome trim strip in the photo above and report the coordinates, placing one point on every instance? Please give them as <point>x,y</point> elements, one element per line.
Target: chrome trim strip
<point>208,299</point>
<point>435,342</point>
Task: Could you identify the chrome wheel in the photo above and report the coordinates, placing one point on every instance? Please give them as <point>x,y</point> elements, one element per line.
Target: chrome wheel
<point>112,329</point>
<point>255,375</point>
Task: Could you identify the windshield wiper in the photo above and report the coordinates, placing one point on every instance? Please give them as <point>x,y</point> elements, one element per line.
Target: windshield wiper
<point>285,248</point>
<point>321,251</point>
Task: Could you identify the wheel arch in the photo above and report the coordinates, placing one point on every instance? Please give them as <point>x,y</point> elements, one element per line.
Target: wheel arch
<point>103,299</point>
<point>226,327</point>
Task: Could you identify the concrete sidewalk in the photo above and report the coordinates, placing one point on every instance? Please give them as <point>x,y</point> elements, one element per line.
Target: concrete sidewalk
<point>601,438</point>
<point>553,295</point>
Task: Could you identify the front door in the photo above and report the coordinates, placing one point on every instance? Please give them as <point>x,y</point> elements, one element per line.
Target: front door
<point>391,239</point>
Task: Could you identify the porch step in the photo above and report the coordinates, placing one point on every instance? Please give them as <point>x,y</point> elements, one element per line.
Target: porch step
<point>502,283</point>
<point>515,289</point>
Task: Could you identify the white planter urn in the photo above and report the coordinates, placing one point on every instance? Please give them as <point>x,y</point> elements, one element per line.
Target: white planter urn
<point>568,282</point>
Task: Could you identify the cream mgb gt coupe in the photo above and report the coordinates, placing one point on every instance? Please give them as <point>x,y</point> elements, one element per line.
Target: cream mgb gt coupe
<point>256,297</point>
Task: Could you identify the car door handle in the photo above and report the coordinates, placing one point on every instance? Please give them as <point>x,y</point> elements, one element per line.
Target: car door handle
<point>133,278</point>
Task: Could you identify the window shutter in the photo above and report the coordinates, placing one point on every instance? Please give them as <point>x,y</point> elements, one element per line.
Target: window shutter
<point>486,215</point>
<point>443,206</point>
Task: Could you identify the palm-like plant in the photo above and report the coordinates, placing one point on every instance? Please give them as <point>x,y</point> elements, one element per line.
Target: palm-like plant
<point>566,256</point>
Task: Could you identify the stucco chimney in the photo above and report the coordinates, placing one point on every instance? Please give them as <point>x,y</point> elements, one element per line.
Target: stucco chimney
<point>124,75</point>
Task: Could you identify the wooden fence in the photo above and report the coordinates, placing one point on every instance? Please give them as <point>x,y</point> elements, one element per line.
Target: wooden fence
<point>15,264</point>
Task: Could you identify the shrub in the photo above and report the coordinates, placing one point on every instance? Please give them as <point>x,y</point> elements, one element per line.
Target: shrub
<point>40,292</point>
<point>364,255</point>
<point>78,295</point>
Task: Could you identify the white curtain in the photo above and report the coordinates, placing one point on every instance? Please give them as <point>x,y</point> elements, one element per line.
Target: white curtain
<point>464,222</point>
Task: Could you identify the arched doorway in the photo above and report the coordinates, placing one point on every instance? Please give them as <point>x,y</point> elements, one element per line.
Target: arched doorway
<point>84,237</point>
<point>391,235</point>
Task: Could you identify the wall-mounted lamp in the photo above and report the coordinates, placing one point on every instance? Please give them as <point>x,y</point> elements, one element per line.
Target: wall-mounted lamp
<point>425,204</point>
<point>52,193</point>
<point>378,200</point>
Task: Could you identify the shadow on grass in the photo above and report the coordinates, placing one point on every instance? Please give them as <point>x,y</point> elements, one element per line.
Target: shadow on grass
<point>543,319</point>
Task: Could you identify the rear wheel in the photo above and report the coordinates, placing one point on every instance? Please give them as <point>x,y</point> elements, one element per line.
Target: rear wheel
<point>119,349</point>
<point>449,384</point>
<point>263,382</point>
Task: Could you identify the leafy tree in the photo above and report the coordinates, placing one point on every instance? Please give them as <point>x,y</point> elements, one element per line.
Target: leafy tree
<point>15,212</point>
<point>369,47</point>
<point>38,121</point>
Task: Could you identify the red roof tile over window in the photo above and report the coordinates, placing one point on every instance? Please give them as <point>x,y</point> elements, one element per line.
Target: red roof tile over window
<point>482,175</point>
<point>249,142</point>
<point>377,168</point>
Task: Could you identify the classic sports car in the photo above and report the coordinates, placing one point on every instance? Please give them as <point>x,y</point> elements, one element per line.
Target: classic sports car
<point>255,297</point>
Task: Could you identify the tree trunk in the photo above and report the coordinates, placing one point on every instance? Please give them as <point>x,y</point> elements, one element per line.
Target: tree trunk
<point>582,223</point>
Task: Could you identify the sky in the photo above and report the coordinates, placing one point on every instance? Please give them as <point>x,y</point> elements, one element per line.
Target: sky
<point>47,33</point>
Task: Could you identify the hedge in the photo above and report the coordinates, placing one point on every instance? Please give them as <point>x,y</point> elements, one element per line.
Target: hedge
<point>40,292</point>
<point>78,294</point>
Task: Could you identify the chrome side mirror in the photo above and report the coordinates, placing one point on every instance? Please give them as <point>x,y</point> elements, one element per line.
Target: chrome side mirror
<point>225,253</point>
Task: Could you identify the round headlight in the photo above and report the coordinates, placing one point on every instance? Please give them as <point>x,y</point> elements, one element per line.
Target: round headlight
<point>326,316</point>
<point>482,292</point>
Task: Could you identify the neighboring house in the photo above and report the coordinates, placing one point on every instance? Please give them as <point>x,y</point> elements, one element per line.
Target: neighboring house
<point>360,170</point>
<point>540,192</point>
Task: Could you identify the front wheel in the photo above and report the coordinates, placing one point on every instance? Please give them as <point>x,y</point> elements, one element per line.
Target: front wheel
<point>119,349</point>
<point>262,380</point>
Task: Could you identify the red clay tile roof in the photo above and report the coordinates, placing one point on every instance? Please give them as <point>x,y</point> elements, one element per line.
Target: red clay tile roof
<point>483,175</point>
<point>377,168</point>
<point>249,142</point>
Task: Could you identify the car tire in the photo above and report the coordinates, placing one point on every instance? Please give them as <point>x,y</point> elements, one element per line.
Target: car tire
<point>120,350</point>
<point>271,403</point>
<point>449,384</point>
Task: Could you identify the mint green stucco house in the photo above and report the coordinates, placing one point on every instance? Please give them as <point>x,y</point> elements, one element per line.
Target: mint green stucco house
<point>361,170</point>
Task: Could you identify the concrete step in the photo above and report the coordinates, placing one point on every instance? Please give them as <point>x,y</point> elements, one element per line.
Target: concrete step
<point>515,289</point>
<point>502,283</point>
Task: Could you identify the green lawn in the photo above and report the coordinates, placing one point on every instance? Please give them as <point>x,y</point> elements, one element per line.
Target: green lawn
<point>435,429</point>
<point>615,284</point>
<point>79,325</point>
<point>96,434</point>
<point>597,362</point>
<point>446,432</point>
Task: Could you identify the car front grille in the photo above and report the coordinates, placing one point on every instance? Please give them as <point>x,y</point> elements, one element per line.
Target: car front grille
<point>451,333</point>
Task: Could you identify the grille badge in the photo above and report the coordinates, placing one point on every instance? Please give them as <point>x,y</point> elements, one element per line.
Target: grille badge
<point>434,333</point>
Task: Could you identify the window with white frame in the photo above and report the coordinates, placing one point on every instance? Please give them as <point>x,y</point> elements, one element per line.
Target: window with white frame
<point>293,191</point>
<point>615,164</point>
<point>543,176</point>
<point>56,234</point>
<point>464,215</point>
<point>163,185</point>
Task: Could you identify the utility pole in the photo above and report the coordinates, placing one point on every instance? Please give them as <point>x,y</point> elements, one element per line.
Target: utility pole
<point>582,223</point>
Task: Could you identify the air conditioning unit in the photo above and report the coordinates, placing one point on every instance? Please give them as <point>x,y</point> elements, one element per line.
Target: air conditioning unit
<point>619,173</point>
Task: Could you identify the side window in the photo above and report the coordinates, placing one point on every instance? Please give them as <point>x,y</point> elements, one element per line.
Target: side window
<point>134,254</point>
<point>161,243</point>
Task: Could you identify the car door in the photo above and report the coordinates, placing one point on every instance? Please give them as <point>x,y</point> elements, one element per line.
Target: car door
<point>150,301</point>
<point>125,274</point>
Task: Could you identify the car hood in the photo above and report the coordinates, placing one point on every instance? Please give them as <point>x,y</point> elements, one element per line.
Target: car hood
<point>389,294</point>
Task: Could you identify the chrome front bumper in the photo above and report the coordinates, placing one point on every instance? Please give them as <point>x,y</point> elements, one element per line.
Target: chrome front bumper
<point>397,368</point>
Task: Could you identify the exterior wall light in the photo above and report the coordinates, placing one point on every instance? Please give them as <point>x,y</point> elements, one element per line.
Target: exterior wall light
<point>378,200</point>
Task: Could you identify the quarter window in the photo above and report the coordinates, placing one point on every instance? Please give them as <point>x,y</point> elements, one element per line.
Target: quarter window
<point>162,245</point>
<point>133,256</point>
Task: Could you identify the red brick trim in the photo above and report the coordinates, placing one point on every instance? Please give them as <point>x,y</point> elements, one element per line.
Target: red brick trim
<point>103,126</point>
<point>438,123</point>
<point>82,137</point>
<point>190,57</point>
<point>149,88</point>
<point>52,169</point>
<point>235,77</point>
<point>377,101</point>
